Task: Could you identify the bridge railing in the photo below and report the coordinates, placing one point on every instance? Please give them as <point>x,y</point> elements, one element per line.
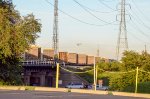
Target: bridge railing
<point>37,62</point>
<point>49,63</point>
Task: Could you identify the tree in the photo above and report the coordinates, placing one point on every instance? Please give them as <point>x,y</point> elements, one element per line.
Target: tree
<point>109,66</point>
<point>130,60</point>
<point>16,34</point>
<point>126,81</point>
<point>145,61</point>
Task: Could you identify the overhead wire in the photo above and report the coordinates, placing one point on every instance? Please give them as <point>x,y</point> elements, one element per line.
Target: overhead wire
<point>97,10</point>
<point>140,21</point>
<point>139,39</point>
<point>98,25</point>
<point>136,27</point>
<point>140,31</point>
<point>107,0</point>
<point>140,10</point>
<point>87,22</point>
<point>93,14</point>
<point>106,5</point>
<point>93,10</point>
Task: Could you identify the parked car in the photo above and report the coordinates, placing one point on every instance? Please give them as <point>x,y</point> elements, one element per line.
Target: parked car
<point>75,86</point>
<point>100,87</point>
<point>103,88</point>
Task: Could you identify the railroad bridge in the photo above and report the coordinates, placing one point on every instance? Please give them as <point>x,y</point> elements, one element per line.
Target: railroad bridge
<point>43,73</point>
<point>39,73</point>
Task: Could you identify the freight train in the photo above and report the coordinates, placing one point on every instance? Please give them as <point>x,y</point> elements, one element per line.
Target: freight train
<point>74,58</point>
<point>64,57</point>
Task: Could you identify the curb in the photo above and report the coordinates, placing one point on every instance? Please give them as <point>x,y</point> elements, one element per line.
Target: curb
<point>83,91</point>
<point>131,94</point>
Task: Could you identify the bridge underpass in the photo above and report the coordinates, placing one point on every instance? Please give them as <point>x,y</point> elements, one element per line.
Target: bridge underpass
<point>43,73</point>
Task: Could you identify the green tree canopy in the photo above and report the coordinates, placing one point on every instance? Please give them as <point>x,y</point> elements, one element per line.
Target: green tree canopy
<point>132,59</point>
<point>16,34</point>
<point>118,71</point>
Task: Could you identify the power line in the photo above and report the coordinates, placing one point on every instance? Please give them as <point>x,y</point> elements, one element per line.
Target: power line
<point>92,13</point>
<point>139,19</point>
<point>77,18</point>
<point>137,28</point>
<point>106,5</point>
<point>96,10</point>
<point>107,0</point>
<point>139,10</point>
<point>135,36</point>
<point>138,39</point>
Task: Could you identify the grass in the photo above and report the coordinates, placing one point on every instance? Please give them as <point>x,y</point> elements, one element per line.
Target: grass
<point>29,88</point>
<point>110,93</point>
<point>69,90</point>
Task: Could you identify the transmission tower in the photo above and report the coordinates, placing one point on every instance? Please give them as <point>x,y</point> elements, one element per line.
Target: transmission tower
<point>97,54</point>
<point>122,43</point>
<point>55,30</point>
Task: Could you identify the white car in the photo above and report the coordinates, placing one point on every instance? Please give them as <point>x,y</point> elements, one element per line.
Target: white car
<point>75,86</point>
<point>101,87</point>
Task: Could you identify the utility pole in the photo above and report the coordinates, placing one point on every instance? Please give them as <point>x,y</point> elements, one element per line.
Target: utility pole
<point>122,43</point>
<point>57,74</point>
<point>136,81</point>
<point>55,30</point>
<point>94,75</point>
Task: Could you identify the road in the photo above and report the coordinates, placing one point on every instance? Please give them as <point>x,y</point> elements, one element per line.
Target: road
<point>54,95</point>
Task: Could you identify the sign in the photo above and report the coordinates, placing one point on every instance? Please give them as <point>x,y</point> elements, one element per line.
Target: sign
<point>100,83</point>
<point>60,82</point>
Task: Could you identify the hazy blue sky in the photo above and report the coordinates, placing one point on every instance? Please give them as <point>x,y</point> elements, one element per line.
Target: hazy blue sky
<point>72,32</point>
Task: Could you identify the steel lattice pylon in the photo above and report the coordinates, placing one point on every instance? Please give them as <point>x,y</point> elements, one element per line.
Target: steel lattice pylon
<point>122,43</point>
<point>55,29</point>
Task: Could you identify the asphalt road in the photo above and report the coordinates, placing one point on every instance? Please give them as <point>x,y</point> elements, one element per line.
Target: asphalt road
<point>54,95</point>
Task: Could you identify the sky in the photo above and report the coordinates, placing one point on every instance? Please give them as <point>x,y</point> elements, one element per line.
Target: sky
<point>103,34</point>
